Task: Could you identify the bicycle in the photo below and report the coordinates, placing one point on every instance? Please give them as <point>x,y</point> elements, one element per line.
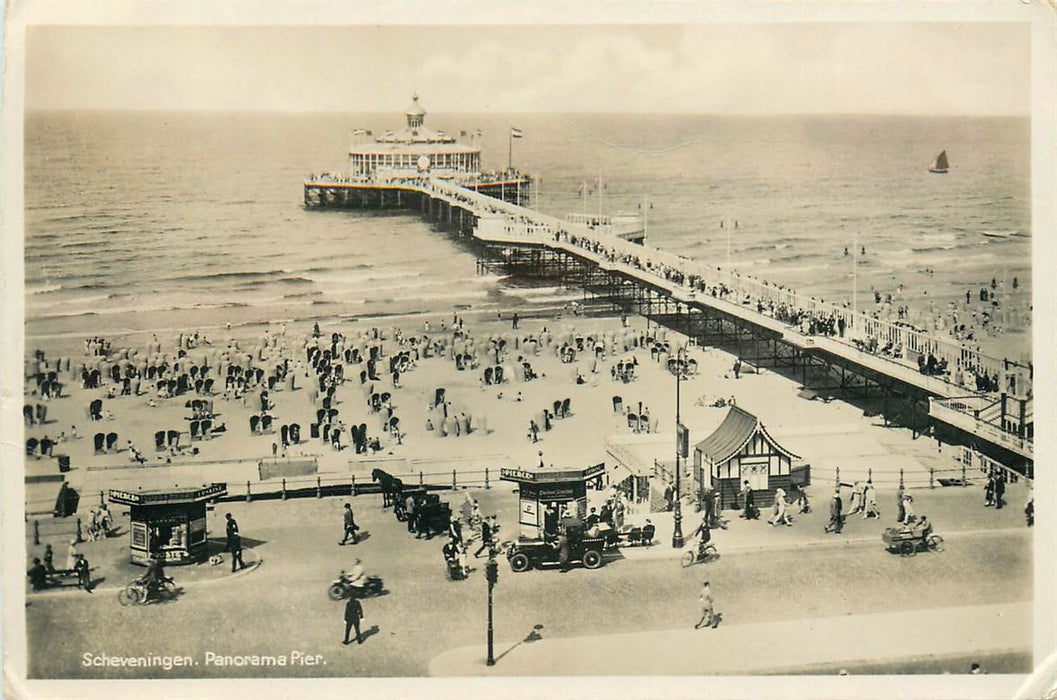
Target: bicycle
<point>698,554</point>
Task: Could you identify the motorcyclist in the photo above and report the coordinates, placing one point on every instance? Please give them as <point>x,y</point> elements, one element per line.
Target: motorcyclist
<point>356,577</point>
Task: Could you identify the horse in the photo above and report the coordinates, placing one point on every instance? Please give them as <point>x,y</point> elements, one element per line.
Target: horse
<point>385,480</point>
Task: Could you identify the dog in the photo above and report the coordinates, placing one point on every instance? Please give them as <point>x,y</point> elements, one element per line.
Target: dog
<point>216,560</point>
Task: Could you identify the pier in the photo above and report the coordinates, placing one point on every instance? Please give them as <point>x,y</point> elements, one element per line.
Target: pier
<point>910,376</point>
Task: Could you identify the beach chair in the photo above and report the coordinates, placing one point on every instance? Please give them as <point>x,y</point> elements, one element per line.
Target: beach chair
<point>46,446</point>
<point>488,372</point>
<point>326,402</point>
<point>174,438</point>
<point>95,409</point>
<point>42,414</point>
<point>326,432</point>
<point>93,379</point>
<point>99,442</point>
<point>271,382</point>
<point>206,427</point>
<point>618,404</point>
<point>332,414</point>
<point>207,387</point>
<point>633,422</point>
<point>361,436</point>
<point>284,433</point>
<point>295,433</point>
<point>152,372</point>
<point>255,423</point>
<point>565,407</point>
<point>558,407</point>
<point>363,376</point>
<point>31,446</point>
<point>266,423</point>
<point>111,442</point>
<point>199,383</point>
<point>159,441</point>
<point>193,371</point>
<point>320,414</point>
<point>194,430</point>
<point>27,414</point>
<point>313,430</point>
<point>438,397</point>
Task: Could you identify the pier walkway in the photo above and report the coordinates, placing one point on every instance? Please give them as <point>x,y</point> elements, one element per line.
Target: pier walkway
<point>892,352</point>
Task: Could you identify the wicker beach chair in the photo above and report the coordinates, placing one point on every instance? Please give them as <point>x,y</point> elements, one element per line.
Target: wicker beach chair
<point>174,438</point>
<point>266,423</point>
<point>99,443</point>
<point>194,429</point>
<point>295,433</point>
<point>565,407</point>
<point>255,424</point>
<point>111,442</point>
<point>206,428</point>
<point>95,409</point>
<point>159,441</point>
<point>31,446</point>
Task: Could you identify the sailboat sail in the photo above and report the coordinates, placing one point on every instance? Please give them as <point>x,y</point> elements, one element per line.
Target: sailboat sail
<point>940,165</point>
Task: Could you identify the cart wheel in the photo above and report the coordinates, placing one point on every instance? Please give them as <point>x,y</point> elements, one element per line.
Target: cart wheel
<point>401,516</point>
<point>520,562</point>
<point>688,559</point>
<point>907,549</point>
<point>592,559</point>
<point>935,543</point>
<point>336,592</point>
<point>711,553</point>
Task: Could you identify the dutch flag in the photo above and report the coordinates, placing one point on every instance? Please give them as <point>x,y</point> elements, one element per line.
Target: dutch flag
<point>515,133</point>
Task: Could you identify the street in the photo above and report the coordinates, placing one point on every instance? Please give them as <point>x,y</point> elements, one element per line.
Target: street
<point>282,608</point>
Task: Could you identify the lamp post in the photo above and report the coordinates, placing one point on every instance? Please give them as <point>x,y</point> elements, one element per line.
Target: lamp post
<point>680,442</point>
<point>492,574</point>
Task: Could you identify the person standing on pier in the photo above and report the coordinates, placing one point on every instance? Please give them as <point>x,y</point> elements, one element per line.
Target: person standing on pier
<point>514,320</point>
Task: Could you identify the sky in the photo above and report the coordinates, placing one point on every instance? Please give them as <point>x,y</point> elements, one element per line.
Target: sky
<point>939,68</point>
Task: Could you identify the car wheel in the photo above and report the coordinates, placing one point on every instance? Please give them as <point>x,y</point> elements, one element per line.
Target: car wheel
<point>592,559</point>
<point>520,562</point>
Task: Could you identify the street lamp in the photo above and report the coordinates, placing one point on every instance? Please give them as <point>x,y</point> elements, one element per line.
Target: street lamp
<point>491,569</point>
<point>682,443</point>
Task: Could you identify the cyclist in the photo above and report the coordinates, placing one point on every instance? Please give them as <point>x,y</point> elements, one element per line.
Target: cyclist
<point>154,576</point>
<point>704,535</point>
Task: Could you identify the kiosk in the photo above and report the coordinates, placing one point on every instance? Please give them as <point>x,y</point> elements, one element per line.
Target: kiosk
<point>538,489</point>
<point>171,522</point>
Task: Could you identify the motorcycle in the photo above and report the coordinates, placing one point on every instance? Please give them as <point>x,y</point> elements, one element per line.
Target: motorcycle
<point>342,587</point>
<point>137,593</point>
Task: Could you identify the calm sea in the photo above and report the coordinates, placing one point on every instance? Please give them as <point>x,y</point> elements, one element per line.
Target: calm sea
<point>139,220</point>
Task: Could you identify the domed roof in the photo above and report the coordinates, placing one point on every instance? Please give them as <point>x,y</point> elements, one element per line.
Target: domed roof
<point>415,110</point>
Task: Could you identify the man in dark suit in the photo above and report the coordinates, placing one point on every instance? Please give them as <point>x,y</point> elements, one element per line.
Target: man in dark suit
<point>350,526</point>
<point>836,516</point>
<point>1000,491</point>
<point>353,615</point>
<point>486,537</point>
<point>232,528</point>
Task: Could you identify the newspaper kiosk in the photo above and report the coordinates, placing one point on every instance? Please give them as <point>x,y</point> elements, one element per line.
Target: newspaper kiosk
<point>171,522</point>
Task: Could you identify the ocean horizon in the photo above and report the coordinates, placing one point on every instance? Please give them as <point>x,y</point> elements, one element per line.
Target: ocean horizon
<point>143,220</point>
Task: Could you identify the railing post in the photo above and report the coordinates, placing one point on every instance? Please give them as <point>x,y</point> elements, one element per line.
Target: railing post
<point>869,475</point>
<point>486,485</point>
<point>80,537</point>
<point>352,489</point>
<point>319,487</point>
<point>900,478</point>
<point>284,488</point>
<point>36,532</point>
<point>932,477</point>
<point>421,479</point>
<point>964,483</point>
<point>101,501</point>
<point>454,484</point>
<point>248,497</point>
<point>837,485</point>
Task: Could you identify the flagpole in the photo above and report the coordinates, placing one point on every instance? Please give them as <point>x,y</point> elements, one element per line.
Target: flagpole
<point>510,150</point>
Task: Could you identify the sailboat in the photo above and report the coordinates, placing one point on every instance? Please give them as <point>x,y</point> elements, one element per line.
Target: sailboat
<point>940,165</point>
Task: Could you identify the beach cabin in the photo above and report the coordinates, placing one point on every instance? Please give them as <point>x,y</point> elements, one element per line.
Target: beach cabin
<point>739,450</point>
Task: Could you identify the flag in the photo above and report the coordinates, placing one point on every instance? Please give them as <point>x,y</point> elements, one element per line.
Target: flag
<point>515,133</point>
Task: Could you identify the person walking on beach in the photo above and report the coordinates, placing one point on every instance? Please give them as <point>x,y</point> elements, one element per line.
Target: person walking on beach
<point>350,526</point>
<point>708,608</point>
<point>901,509</point>
<point>836,517</point>
<point>353,615</point>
